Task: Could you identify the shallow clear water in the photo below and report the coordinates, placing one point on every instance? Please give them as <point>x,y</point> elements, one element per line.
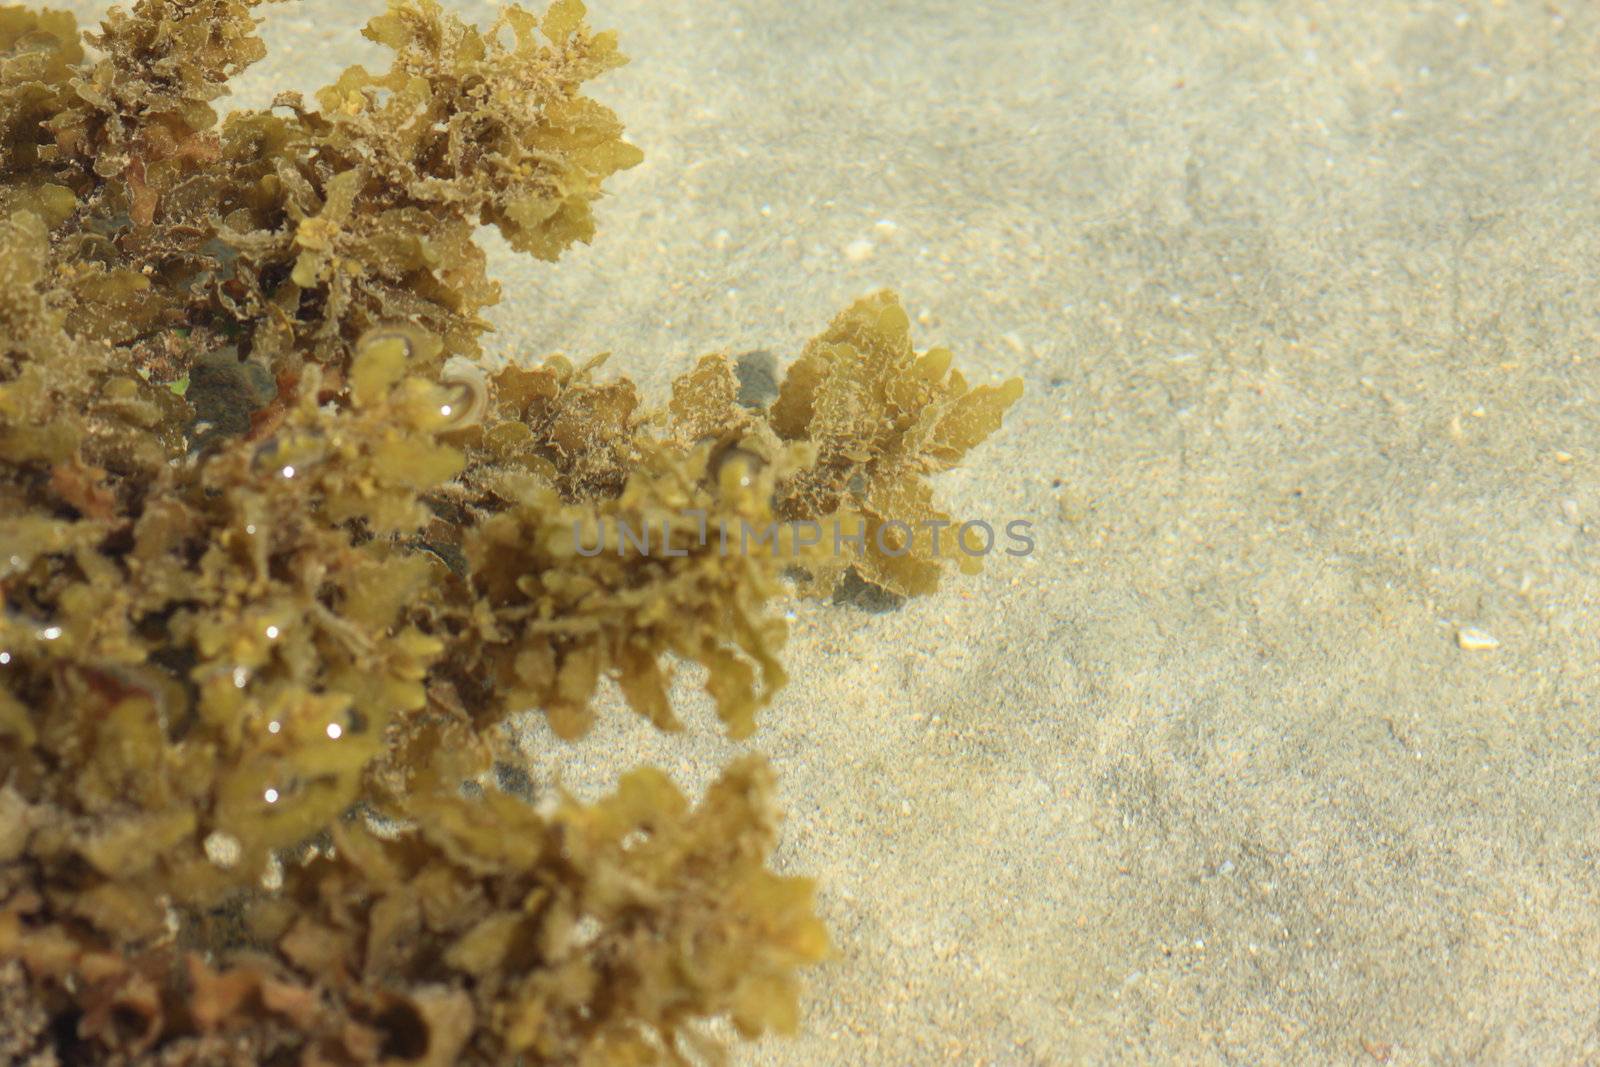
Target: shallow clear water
<point>1304,297</point>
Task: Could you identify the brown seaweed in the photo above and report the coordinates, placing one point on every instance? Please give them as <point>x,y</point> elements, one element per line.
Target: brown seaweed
<point>882,418</point>
<point>277,556</point>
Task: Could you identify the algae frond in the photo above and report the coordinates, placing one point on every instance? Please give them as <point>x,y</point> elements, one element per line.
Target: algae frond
<point>277,555</point>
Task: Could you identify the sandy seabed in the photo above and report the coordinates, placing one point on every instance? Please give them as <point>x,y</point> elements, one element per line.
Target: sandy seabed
<point>1282,746</point>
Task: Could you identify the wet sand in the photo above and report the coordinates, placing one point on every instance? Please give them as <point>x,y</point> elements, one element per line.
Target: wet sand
<point>1305,298</point>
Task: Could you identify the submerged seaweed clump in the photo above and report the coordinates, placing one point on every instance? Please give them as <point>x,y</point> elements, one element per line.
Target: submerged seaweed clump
<point>277,555</point>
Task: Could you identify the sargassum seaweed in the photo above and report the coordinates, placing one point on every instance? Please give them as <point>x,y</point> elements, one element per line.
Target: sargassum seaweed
<point>279,555</point>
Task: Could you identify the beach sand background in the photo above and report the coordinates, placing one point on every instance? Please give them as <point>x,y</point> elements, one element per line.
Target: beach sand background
<point>1306,297</point>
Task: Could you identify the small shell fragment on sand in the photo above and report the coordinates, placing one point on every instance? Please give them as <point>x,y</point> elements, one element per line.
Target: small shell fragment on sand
<point>1475,640</point>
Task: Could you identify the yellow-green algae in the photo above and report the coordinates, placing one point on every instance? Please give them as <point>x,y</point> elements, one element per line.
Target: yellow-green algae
<point>277,556</point>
